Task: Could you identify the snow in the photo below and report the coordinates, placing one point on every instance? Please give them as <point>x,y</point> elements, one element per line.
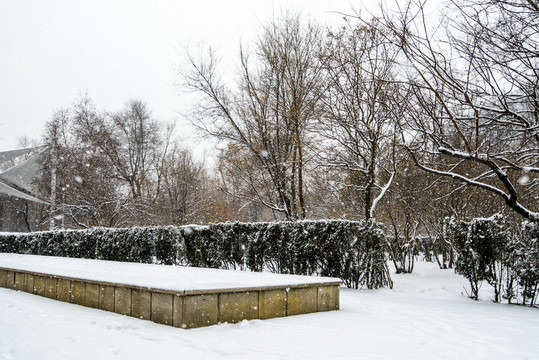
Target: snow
<point>23,175</point>
<point>6,156</point>
<point>8,190</point>
<point>425,316</point>
<point>176,278</point>
<point>524,179</point>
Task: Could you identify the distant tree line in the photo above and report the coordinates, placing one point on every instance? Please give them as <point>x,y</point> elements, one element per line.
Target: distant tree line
<point>123,168</point>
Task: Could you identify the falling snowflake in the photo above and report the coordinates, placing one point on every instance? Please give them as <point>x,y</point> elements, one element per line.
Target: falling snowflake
<point>524,179</point>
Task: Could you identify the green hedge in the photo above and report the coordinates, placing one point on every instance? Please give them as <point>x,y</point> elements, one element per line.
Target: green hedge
<point>352,251</point>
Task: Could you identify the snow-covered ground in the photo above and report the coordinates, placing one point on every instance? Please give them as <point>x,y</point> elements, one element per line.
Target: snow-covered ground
<point>425,316</point>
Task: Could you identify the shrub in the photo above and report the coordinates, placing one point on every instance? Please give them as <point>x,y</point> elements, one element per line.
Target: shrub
<point>352,251</point>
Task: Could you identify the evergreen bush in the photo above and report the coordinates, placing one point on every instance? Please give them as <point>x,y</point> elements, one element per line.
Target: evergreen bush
<point>486,251</point>
<point>352,251</point>
<point>524,260</point>
<point>479,245</point>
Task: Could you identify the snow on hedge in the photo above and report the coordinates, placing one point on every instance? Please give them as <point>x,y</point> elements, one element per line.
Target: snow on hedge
<point>489,251</point>
<point>351,251</point>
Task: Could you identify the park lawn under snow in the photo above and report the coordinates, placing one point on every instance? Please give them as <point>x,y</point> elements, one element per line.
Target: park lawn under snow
<point>425,316</point>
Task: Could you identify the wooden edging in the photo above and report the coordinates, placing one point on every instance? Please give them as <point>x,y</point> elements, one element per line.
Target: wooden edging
<point>184,309</point>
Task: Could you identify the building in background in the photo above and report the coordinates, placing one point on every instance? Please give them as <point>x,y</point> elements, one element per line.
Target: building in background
<point>19,197</point>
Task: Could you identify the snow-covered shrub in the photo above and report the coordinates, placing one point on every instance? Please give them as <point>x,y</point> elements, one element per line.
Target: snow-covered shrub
<point>112,244</point>
<point>56,244</point>
<point>142,243</point>
<point>261,252</point>
<point>200,249</point>
<point>8,243</point>
<point>231,240</point>
<point>372,265</point>
<point>435,248</point>
<point>272,249</point>
<point>488,251</point>
<point>302,252</point>
<point>489,237</point>
<point>166,242</point>
<point>333,243</point>
<point>467,265</point>
<point>402,252</point>
<point>523,265</point>
<point>480,245</point>
<point>352,251</point>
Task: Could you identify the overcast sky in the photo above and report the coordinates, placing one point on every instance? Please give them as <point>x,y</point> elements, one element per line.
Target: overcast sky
<point>52,52</point>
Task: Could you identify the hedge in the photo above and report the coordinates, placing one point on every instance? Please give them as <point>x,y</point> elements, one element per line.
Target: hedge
<point>352,251</point>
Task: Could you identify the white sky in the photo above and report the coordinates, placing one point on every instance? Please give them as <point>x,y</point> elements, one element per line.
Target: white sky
<point>52,52</point>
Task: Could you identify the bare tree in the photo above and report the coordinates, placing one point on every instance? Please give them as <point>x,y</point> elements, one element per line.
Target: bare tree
<point>268,113</point>
<point>133,141</point>
<point>76,174</point>
<point>184,189</point>
<point>105,170</point>
<point>362,110</point>
<point>475,91</point>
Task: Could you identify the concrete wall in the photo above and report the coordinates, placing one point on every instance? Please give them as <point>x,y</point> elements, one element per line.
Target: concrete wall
<point>187,309</point>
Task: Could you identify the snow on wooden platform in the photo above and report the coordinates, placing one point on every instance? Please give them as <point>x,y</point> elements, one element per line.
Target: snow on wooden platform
<point>165,277</point>
<point>173,295</point>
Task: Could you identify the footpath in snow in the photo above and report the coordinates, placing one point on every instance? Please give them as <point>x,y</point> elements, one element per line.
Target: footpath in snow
<point>425,316</point>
